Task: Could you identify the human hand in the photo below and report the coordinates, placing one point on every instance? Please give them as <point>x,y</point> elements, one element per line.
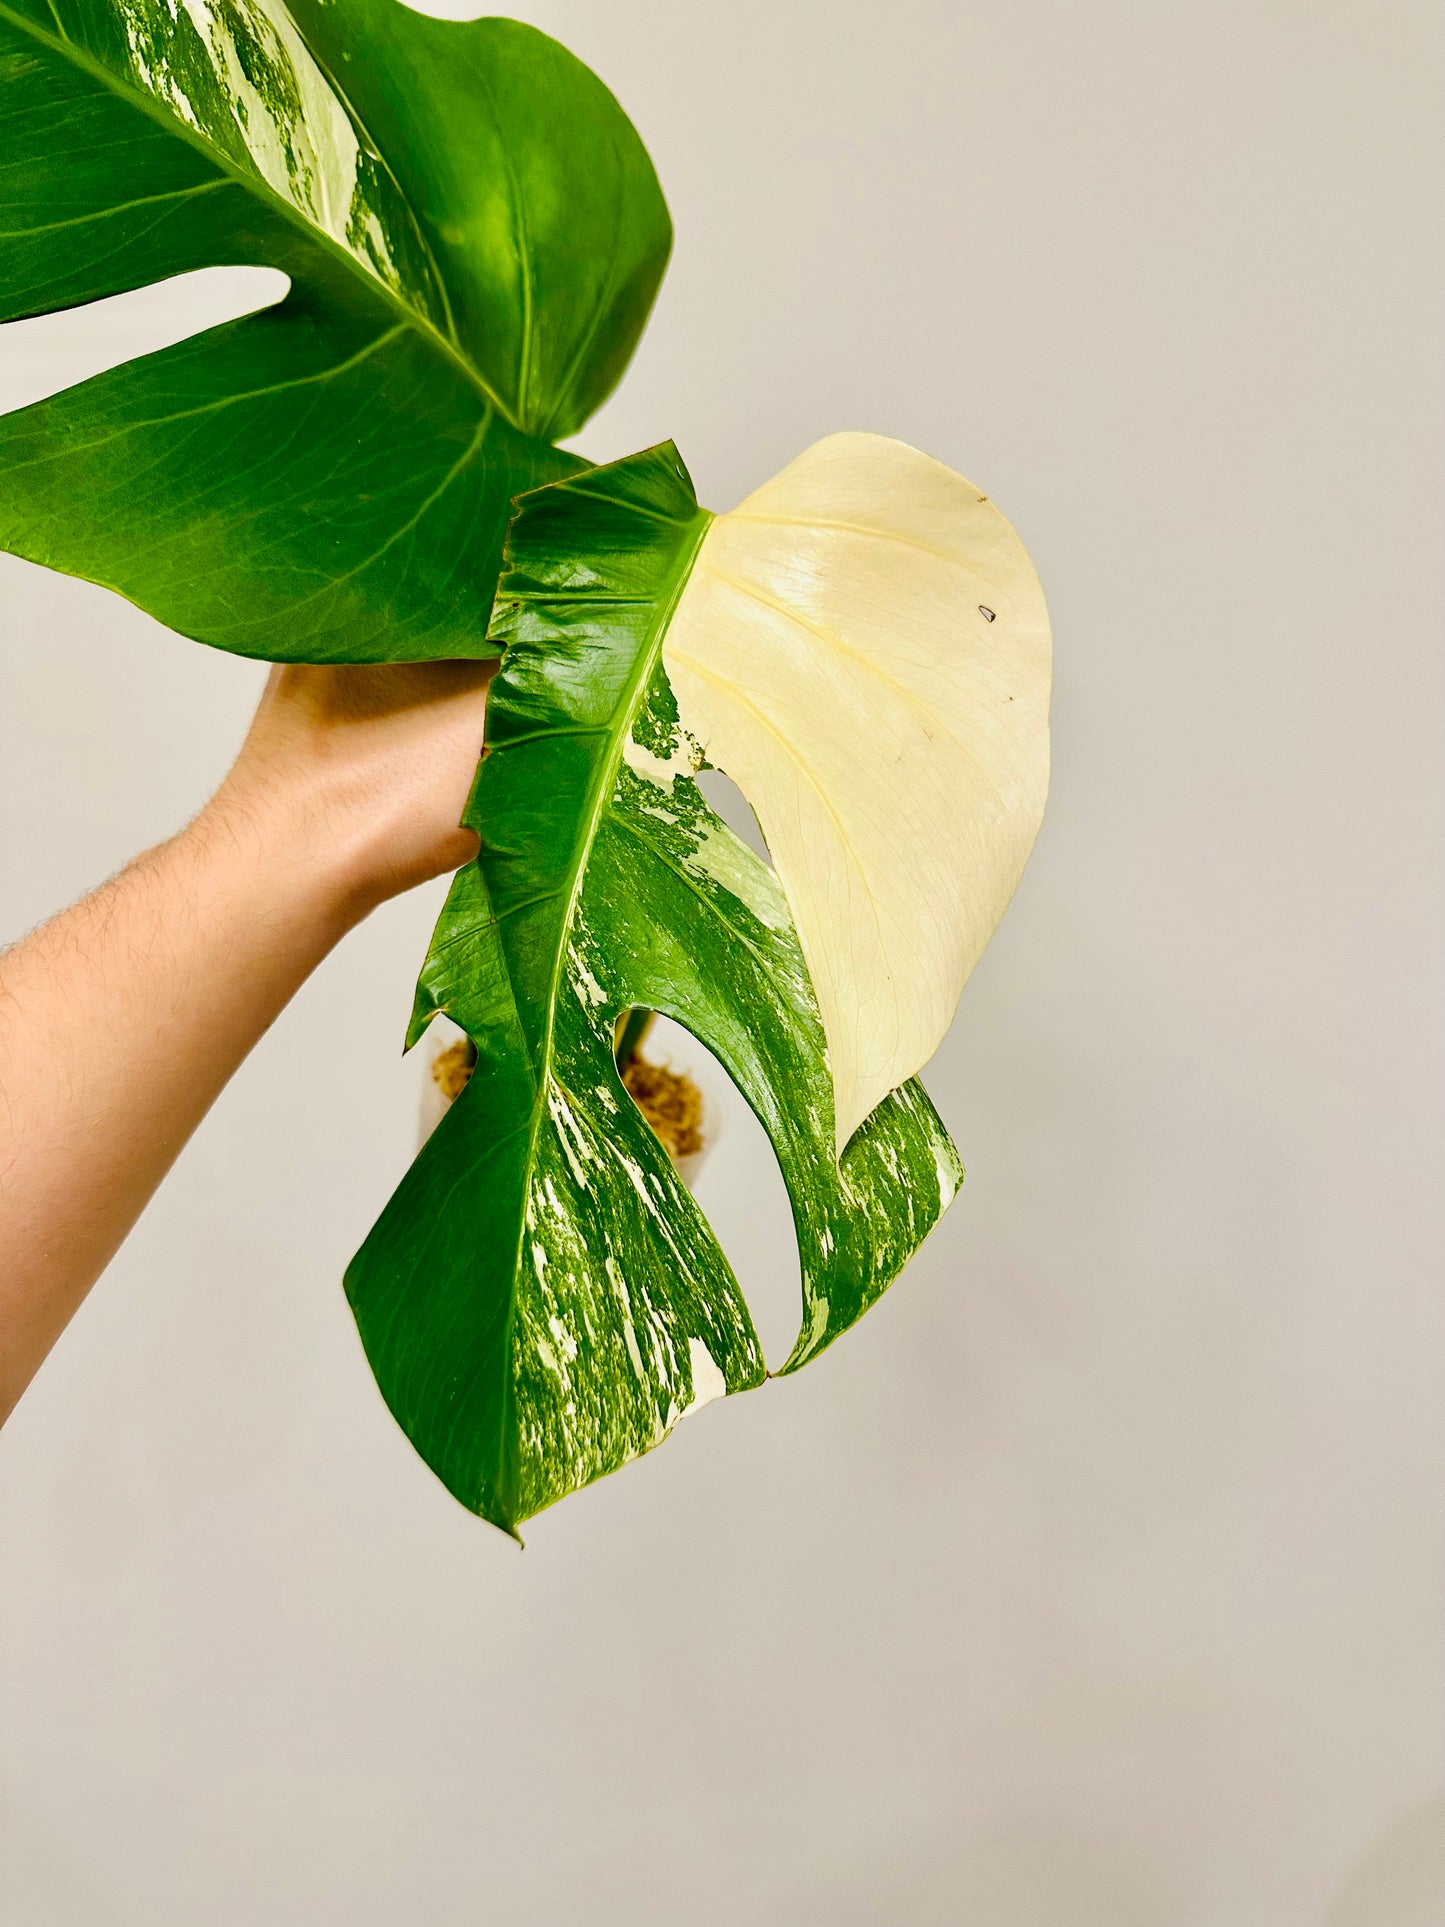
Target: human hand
<point>360,773</point>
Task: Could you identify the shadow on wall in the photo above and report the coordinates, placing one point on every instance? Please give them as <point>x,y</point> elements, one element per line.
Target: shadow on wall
<point>1400,1880</point>
<point>1013,1879</point>
<point>1021,1879</point>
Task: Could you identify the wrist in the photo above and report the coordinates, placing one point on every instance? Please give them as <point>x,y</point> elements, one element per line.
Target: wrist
<point>285,847</point>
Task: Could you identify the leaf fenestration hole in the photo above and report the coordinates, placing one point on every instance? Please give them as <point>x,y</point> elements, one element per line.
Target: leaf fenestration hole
<point>49,353</point>
<point>739,1188</point>
<point>733,807</point>
<point>667,1097</point>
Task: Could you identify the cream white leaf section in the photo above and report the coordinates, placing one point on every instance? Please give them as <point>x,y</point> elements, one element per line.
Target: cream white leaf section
<point>863,647</point>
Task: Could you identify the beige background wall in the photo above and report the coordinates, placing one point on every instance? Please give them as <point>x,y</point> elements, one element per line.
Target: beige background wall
<point>1097,1580</point>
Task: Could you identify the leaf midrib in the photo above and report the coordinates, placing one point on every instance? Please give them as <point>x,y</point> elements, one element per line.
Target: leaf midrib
<point>144,102</point>
<point>648,657</point>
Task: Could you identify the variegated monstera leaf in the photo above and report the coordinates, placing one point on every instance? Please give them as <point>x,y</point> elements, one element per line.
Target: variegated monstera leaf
<point>473,235</point>
<point>863,647</point>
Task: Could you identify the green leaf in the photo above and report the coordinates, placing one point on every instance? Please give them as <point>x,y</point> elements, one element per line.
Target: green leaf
<point>473,235</point>
<point>542,1300</point>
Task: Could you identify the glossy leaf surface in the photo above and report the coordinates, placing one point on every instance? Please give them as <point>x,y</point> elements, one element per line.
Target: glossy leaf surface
<point>542,1300</point>
<point>473,235</point>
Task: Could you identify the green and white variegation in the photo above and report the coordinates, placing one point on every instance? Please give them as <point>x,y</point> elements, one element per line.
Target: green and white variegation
<point>542,1299</point>
<point>473,235</point>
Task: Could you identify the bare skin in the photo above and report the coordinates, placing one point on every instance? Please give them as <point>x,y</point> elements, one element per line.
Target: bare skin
<point>347,791</point>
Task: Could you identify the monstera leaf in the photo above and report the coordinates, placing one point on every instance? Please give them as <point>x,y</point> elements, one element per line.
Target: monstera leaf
<point>863,646</point>
<point>473,235</point>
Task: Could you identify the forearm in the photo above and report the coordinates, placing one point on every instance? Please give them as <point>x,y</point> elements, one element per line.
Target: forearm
<point>122,1019</point>
<point>120,1022</point>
